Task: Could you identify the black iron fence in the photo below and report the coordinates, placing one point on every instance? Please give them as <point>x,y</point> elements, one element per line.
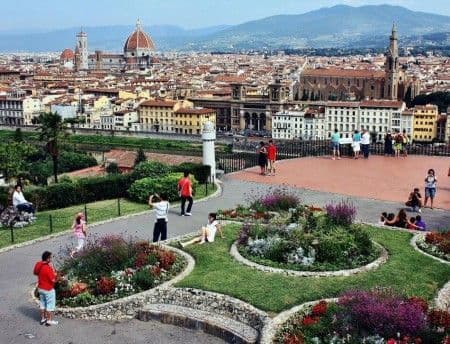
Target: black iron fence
<point>244,153</point>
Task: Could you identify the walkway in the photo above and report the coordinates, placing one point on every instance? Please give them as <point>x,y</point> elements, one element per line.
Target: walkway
<point>19,316</point>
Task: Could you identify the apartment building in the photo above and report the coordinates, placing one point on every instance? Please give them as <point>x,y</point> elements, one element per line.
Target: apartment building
<point>425,122</point>
<point>191,120</point>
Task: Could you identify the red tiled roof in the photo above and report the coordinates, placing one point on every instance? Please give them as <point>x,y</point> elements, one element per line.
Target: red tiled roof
<point>382,103</point>
<point>348,73</point>
<point>194,111</point>
<point>160,103</point>
<point>67,54</point>
<point>139,40</point>
<point>343,104</point>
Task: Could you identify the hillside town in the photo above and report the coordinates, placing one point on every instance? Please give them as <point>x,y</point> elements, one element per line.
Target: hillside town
<point>283,96</point>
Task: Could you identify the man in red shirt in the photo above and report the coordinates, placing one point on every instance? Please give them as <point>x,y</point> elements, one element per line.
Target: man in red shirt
<point>185,190</point>
<point>271,156</point>
<point>46,287</point>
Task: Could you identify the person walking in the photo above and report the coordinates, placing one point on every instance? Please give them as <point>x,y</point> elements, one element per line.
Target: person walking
<point>262,158</point>
<point>46,274</point>
<point>79,228</point>
<point>162,210</point>
<point>185,191</point>
<point>430,187</point>
<point>335,142</point>
<point>356,144</point>
<point>272,157</point>
<point>365,143</point>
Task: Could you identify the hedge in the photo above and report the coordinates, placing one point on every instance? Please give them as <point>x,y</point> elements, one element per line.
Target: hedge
<point>84,190</point>
<point>141,189</point>
<point>199,171</point>
<point>150,169</point>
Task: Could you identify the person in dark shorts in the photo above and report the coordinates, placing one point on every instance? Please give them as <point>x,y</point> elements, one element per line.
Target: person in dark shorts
<point>162,210</point>
<point>262,157</point>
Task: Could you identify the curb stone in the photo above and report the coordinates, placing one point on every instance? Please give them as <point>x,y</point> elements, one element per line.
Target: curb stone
<point>413,243</point>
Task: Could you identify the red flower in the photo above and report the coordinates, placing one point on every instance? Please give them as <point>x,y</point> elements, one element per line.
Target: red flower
<point>156,270</point>
<point>310,320</point>
<point>420,302</point>
<point>166,259</point>
<point>105,285</point>
<point>293,339</point>
<point>439,318</point>
<point>391,341</point>
<point>319,309</point>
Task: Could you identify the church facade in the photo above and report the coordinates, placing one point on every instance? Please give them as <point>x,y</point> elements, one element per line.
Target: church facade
<point>358,84</point>
<point>137,53</point>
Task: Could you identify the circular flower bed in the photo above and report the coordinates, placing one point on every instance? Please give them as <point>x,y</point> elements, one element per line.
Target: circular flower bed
<point>110,268</point>
<point>436,244</point>
<point>374,317</point>
<point>308,240</point>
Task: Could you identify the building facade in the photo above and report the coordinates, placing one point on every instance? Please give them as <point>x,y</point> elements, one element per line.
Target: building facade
<point>425,122</point>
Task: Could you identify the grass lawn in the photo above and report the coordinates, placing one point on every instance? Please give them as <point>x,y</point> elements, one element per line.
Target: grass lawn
<point>62,218</point>
<point>406,271</point>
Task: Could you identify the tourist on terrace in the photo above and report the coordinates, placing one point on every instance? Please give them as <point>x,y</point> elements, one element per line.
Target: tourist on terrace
<point>185,191</point>
<point>398,145</point>
<point>401,220</point>
<point>20,202</point>
<point>272,157</point>
<point>388,150</point>
<point>262,158</point>
<point>162,210</point>
<point>430,187</point>
<point>335,137</point>
<point>79,228</point>
<point>356,144</point>
<point>365,143</point>
<point>405,143</point>
<point>415,200</point>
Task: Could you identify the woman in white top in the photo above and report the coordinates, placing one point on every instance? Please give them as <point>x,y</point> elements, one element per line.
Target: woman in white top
<point>207,233</point>
<point>161,210</point>
<point>20,202</point>
<point>430,187</point>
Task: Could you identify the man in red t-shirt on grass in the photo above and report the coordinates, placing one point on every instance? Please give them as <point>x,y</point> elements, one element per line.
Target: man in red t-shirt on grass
<point>185,190</point>
<point>46,287</point>
<point>271,156</point>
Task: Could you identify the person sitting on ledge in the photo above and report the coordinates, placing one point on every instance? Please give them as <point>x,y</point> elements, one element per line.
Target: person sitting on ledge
<point>207,233</point>
<point>401,221</point>
<point>20,202</point>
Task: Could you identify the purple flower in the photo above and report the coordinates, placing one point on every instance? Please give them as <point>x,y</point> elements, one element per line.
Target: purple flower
<point>342,213</point>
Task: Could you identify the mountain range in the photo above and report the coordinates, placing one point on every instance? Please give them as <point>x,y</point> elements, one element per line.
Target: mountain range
<point>340,26</point>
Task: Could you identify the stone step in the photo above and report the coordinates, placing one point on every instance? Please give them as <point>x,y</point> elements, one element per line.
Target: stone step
<point>229,330</point>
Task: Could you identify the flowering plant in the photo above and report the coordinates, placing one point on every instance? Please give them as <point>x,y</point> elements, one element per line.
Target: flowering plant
<point>341,213</point>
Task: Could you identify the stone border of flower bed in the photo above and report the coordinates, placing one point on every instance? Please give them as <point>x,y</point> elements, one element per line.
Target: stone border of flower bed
<point>99,223</point>
<point>413,243</point>
<point>368,267</point>
<point>126,308</point>
<point>270,331</point>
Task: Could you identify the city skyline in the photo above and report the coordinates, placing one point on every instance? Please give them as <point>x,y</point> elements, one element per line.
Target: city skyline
<point>26,16</point>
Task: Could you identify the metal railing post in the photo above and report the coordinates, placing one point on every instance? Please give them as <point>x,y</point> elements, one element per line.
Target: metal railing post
<point>50,222</point>
<point>85,213</point>
<point>118,206</point>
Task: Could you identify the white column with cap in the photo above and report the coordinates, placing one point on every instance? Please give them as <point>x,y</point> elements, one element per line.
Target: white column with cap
<point>209,155</point>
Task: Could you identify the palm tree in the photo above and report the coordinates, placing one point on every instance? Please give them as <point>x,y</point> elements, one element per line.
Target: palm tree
<point>52,131</point>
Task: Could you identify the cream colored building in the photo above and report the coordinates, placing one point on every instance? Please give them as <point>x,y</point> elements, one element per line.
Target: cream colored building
<point>32,107</point>
<point>191,120</point>
<point>425,122</point>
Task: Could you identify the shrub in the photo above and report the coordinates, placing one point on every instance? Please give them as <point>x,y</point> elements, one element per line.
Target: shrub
<point>144,279</point>
<point>381,313</point>
<point>141,189</point>
<point>140,157</point>
<point>342,213</point>
<point>150,169</point>
<point>166,259</point>
<point>277,200</point>
<point>112,168</point>
<point>105,285</point>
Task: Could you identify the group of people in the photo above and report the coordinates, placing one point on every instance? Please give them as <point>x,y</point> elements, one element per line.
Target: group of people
<point>360,143</point>
<point>396,144</point>
<point>267,155</point>
<point>415,203</point>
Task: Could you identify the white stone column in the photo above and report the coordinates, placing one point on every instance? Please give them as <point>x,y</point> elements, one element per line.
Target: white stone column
<point>209,156</point>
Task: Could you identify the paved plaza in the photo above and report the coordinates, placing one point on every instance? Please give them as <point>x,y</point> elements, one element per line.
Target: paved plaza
<point>19,315</point>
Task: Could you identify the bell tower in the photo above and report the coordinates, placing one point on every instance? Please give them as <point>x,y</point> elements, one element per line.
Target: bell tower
<point>392,67</point>
<point>81,52</point>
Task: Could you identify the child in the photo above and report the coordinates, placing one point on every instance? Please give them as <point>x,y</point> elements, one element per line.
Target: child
<point>208,232</point>
<point>420,223</point>
<point>411,224</point>
<point>80,231</point>
<point>383,218</point>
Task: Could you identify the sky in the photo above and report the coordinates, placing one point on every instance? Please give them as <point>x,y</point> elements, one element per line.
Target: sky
<point>47,15</point>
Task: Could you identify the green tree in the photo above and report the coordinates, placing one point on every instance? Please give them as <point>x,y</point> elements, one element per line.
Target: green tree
<point>112,168</point>
<point>52,131</point>
<point>140,156</point>
<point>13,157</point>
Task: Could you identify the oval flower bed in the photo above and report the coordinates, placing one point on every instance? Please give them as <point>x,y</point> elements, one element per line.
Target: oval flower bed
<point>436,244</point>
<point>110,268</point>
<point>374,317</point>
<point>309,241</point>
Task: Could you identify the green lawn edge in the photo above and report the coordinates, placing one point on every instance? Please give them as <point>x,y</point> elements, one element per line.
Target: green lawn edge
<point>62,219</point>
<point>407,272</point>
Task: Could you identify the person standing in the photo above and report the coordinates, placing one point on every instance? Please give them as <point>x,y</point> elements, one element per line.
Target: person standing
<point>356,144</point>
<point>162,210</point>
<point>46,274</point>
<point>262,157</point>
<point>398,146</point>
<point>335,142</point>
<point>430,187</point>
<point>388,150</point>
<point>79,228</point>
<point>185,191</point>
<point>405,143</point>
<point>272,157</point>
<point>365,143</point>
<point>20,202</point>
